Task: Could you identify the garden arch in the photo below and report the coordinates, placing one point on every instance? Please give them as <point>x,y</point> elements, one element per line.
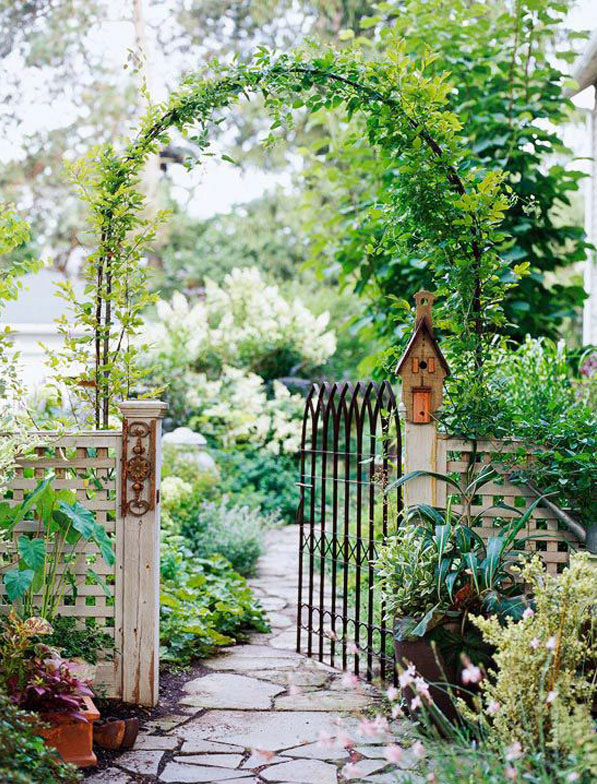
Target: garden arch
<point>449,213</point>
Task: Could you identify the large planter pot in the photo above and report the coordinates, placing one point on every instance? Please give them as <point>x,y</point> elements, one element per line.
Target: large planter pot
<point>430,664</point>
<point>72,738</point>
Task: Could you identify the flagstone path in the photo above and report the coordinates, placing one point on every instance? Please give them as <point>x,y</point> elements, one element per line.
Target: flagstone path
<point>260,715</point>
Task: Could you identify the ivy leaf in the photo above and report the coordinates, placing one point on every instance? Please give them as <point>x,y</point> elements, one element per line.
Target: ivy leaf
<point>17,582</point>
<point>32,551</point>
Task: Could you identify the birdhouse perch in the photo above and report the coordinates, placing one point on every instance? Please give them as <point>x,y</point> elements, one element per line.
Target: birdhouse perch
<point>423,367</point>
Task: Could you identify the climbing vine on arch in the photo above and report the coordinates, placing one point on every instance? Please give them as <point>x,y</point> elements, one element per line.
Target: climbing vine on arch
<point>440,207</point>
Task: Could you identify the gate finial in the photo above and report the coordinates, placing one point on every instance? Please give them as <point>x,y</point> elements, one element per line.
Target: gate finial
<point>424,300</point>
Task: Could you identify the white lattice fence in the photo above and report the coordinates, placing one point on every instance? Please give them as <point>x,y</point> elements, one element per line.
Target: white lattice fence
<point>553,540</point>
<point>115,474</point>
<point>89,465</point>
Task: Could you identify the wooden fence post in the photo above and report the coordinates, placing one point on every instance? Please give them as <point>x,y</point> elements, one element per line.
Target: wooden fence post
<point>140,512</point>
<point>422,369</point>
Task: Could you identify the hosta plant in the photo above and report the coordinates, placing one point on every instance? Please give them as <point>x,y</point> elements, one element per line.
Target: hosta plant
<point>40,571</point>
<point>437,568</point>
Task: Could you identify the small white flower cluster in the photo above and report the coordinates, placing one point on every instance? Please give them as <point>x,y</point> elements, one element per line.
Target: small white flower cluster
<point>236,407</point>
<point>239,322</point>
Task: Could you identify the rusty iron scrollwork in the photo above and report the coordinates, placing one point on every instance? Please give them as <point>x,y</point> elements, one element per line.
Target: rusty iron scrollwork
<point>138,468</point>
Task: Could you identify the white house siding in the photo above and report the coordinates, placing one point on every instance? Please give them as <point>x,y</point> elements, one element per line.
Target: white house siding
<point>590,275</point>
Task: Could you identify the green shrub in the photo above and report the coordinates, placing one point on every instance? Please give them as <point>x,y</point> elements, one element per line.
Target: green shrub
<point>537,397</point>
<point>205,604</point>
<point>263,479</point>
<point>89,642</point>
<point>185,487</point>
<point>544,684</point>
<point>235,532</point>
<point>24,758</point>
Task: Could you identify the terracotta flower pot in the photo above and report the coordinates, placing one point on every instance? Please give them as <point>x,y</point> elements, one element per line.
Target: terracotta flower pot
<point>431,666</point>
<point>109,734</point>
<point>72,738</point>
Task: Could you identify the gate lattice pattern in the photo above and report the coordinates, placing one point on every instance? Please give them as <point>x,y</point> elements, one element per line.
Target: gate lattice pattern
<point>350,450</point>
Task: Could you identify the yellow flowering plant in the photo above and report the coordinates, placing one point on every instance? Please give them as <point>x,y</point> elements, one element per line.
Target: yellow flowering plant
<point>541,693</point>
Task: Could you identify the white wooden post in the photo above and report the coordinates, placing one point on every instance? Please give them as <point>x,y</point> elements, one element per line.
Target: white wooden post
<point>140,511</point>
<point>421,454</point>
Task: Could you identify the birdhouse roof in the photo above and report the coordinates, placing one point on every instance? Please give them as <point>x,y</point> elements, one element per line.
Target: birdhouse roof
<point>421,327</point>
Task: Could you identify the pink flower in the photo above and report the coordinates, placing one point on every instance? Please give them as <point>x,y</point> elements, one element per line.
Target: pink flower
<point>422,688</point>
<point>431,778</point>
<point>345,740</point>
<point>418,749</point>
<point>350,771</point>
<point>551,643</point>
<point>514,751</point>
<point>535,643</point>
<point>331,634</point>
<point>392,693</point>
<point>574,776</point>
<point>415,703</point>
<point>397,711</point>
<point>493,707</point>
<point>326,739</point>
<point>352,648</point>
<point>511,773</point>
<point>551,696</point>
<point>471,673</point>
<point>368,728</point>
<point>528,613</point>
<point>393,753</point>
<point>350,681</point>
<point>406,678</point>
<point>264,754</point>
<point>381,723</point>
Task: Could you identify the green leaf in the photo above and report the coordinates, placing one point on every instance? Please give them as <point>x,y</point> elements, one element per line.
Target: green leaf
<point>32,551</point>
<point>41,499</point>
<point>81,519</point>
<point>416,474</point>
<point>17,582</point>
<point>99,580</point>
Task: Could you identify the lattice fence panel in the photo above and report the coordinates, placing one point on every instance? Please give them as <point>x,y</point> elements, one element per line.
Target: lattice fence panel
<point>88,464</point>
<point>554,541</point>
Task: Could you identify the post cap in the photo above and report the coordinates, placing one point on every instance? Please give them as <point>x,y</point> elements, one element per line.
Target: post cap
<point>145,409</point>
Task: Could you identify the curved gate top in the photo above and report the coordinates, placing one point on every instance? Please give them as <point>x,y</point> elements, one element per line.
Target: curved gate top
<point>350,451</point>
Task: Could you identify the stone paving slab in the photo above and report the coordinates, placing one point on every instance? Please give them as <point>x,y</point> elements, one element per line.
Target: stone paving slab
<point>230,690</point>
<point>264,713</point>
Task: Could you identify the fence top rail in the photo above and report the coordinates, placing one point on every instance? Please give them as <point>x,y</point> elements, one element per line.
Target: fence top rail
<point>47,439</point>
<point>457,443</point>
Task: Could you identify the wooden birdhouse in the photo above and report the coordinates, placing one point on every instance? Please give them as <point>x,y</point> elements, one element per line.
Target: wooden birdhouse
<point>422,367</point>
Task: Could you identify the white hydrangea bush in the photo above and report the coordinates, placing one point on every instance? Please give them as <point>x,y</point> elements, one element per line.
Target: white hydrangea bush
<point>237,409</point>
<point>239,324</point>
<point>224,353</point>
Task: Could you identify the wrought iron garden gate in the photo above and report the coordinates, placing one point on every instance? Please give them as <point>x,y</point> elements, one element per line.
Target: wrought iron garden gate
<point>350,451</point>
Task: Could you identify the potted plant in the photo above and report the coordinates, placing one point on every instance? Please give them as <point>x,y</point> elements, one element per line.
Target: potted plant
<point>436,571</point>
<point>38,680</point>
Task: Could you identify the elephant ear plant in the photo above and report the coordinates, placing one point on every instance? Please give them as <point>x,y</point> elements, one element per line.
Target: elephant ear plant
<point>41,565</point>
<point>437,569</point>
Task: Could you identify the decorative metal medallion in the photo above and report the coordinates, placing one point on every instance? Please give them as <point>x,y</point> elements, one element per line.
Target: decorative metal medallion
<point>138,468</point>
